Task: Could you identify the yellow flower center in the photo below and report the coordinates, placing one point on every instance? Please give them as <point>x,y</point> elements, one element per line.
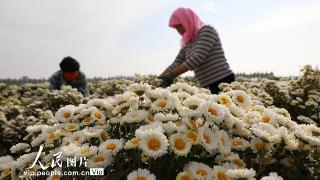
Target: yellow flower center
<point>202,172</point>
<point>86,151</point>
<point>222,176</point>
<point>179,144</point>
<point>111,147</point>
<point>239,163</point>
<point>98,115</point>
<point>104,136</point>
<point>66,115</point>
<point>266,119</point>
<point>77,138</point>
<point>161,104</point>
<point>135,141</point>
<point>51,136</point>
<point>269,133</point>
<point>140,178</point>
<point>225,101</point>
<point>237,143</point>
<point>192,135</point>
<point>5,173</point>
<point>71,127</point>
<point>54,177</point>
<point>150,117</point>
<point>258,146</point>
<point>185,177</point>
<point>240,99</point>
<point>99,159</point>
<point>86,119</point>
<point>213,111</point>
<point>207,139</point>
<point>154,144</point>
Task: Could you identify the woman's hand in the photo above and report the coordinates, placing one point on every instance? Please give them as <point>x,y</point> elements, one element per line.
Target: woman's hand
<point>167,79</point>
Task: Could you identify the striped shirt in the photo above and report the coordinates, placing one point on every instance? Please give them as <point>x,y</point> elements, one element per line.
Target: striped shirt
<point>205,57</point>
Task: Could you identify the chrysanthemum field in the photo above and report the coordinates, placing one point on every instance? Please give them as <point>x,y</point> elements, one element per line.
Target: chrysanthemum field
<point>254,129</point>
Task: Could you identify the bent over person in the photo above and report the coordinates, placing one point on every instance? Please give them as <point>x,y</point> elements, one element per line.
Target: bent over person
<point>69,74</point>
<point>201,51</point>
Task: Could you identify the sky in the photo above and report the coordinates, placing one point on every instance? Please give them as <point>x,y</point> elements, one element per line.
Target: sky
<point>126,37</point>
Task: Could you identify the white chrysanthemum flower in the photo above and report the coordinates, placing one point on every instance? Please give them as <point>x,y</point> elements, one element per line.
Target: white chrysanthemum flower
<point>220,173</point>
<point>139,88</point>
<point>39,139</point>
<point>112,146</point>
<point>238,163</point>
<point>268,117</point>
<point>224,144</point>
<point>239,144</point>
<point>132,143</point>
<point>77,137</point>
<point>180,144</point>
<point>248,174</point>
<point>103,135</point>
<point>6,162</point>
<point>53,136</point>
<point>155,126</point>
<point>182,96</point>
<point>87,120</point>
<point>241,98</point>
<point>272,176</point>
<point>185,175</point>
<point>158,93</point>
<point>24,160</point>
<point>226,156</point>
<point>305,119</point>
<point>166,117</point>
<point>199,170</point>
<point>236,111</point>
<point>66,113</point>
<point>70,150</point>
<point>213,111</point>
<point>229,120</point>
<point>35,128</point>
<point>141,174</point>
<point>154,144</point>
<point>193,136</point>
<point>72,127</point>
<point>182,87</point>
<point>290,139</point>
<point>98,115</point>
<point>163,104</point>
<point>267,132</point>
<point>309,133</point>
<point>169,127</point>
<point>19,147</point>
<point>208,139</point>
<point>100,161</point>
<point>134,116</point>
<point>103,103</point>
<point>224,99</point>
<point>256,144</point>
<point>87,151</point>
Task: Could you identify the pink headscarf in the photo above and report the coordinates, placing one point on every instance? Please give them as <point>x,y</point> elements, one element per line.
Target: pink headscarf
<point>189,20</point>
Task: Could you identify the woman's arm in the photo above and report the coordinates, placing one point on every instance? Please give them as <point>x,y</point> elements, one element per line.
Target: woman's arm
<point>177,62</point>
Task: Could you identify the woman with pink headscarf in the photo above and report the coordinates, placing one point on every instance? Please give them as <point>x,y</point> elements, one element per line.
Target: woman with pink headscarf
<point>201,51</point>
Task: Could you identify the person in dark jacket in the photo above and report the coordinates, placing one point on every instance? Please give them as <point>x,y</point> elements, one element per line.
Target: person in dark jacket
<point>201,51</point>
<point>69,74</point>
